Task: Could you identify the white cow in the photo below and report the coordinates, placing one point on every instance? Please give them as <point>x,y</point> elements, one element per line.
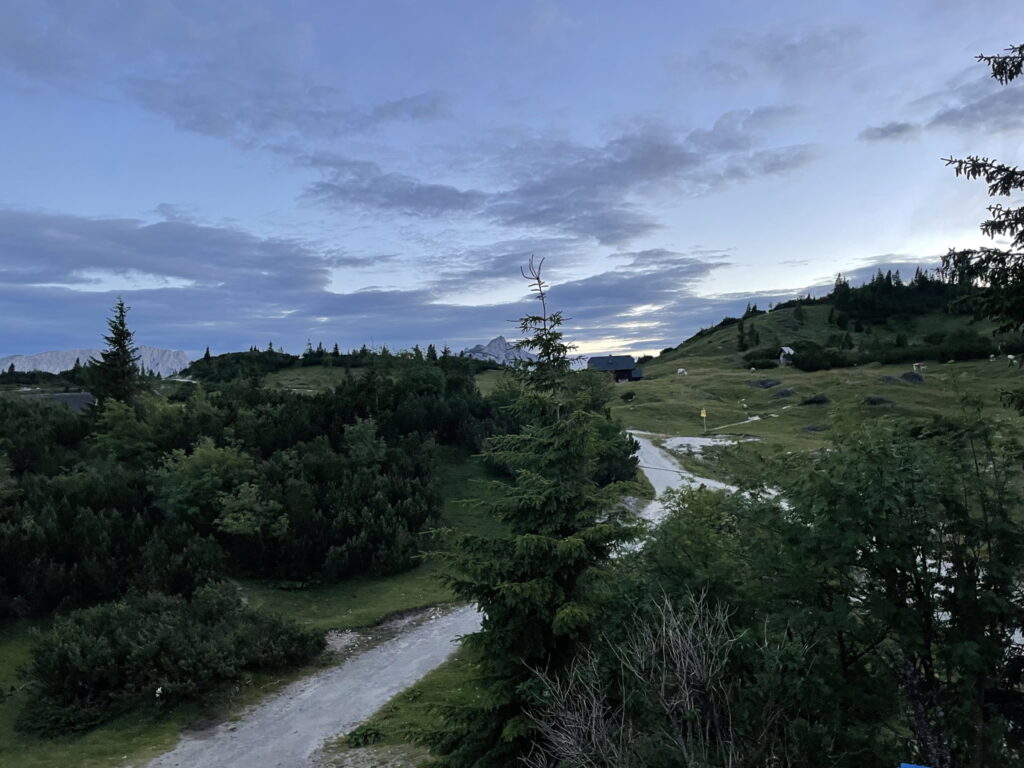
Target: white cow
<point>681,372</point>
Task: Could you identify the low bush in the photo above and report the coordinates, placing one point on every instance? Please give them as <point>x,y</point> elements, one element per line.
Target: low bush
<point>99,661</point>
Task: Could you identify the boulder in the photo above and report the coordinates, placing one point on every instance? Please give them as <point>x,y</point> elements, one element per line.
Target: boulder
<point>875,400</point>
<point>815,400</point>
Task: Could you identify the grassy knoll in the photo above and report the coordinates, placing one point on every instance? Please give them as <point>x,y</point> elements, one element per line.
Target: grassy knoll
<point>135,737</point>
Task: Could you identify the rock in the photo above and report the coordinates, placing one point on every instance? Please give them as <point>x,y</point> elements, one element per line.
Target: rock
<point>498,350</point>
<point>817,428</point>
<point>765,383</point>
<point>162,361</point>
<point>889,380</point>
<point>875,400</point>
<point>913,378</point>
<point>815,400</point>
<point>782,393</point>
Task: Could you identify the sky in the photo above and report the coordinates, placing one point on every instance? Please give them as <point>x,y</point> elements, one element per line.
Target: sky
<point>245,172</point>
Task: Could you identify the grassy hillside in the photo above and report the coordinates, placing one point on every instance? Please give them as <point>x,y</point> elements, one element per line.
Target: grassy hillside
<point>782,327</point>
<point>768,404</point>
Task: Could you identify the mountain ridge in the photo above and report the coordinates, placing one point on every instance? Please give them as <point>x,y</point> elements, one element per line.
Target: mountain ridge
<point>499,350</point>
<point>162,361</point>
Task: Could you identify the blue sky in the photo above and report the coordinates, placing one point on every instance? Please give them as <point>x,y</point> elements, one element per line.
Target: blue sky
<point>245,171</point>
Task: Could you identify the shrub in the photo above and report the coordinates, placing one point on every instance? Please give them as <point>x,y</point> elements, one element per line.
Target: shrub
<point>99,661</point>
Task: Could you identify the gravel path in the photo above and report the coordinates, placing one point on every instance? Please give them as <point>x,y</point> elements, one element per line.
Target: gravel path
<point>664,472</point>
<point>285,730</point>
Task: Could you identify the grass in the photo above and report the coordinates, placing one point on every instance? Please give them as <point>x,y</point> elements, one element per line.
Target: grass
<point>413,713</point>
<point>136,737</point>
<point>311,378</point>
<point>717,380</point>
<point>488,381</point>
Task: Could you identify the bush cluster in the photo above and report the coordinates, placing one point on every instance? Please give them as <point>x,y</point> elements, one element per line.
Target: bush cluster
<point>162,649</point>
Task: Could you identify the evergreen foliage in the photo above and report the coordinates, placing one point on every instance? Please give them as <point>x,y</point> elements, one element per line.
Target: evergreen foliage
<point>536,586</point>
<point>116,374</point>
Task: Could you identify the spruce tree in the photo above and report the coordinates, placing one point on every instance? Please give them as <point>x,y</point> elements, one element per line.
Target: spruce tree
<point>431,353</point>
<point>997,272</point>
<point>116,374</point>
<point>206,354</point>
<point>532,585</point>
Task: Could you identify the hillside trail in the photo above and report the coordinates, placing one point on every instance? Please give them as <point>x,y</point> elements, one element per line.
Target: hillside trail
<point>664,472</point>
<point>287,729</point>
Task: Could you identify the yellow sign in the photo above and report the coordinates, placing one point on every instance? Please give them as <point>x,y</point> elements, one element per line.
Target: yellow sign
<point>703,413</point>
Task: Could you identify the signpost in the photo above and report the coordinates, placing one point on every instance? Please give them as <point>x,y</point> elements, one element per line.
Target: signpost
<point>704,415</point>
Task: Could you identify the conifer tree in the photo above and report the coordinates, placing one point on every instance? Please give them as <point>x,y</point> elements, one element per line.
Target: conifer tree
<point>206,354</point>
<point>116,374</point>
<point>532,585</point>
<point>999,272</point>
<point>431,353</point>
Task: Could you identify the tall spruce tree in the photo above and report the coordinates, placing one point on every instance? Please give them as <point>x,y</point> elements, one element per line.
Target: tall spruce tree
<point>533,585</point>
<point>998,272</point>
<point>115,375</point>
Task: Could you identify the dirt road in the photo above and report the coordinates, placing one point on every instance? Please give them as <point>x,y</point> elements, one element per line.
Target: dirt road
<point>664,472</point>
<point>285,730</point>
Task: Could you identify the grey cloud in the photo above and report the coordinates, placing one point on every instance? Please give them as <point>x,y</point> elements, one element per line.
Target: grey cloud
<point>889,131</point>
<point>246,290</point>
<point>61,249</point>
<point>573,189</point>
<point>791,56</point>
<point>984,110</point>
<point>233,69</point>
<point>359,182</point>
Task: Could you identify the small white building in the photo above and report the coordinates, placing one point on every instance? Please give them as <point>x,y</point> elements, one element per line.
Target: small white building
<point>786,355</point>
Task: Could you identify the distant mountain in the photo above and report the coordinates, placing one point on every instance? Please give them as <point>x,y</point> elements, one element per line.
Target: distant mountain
<point>162,361</point>
<point>498,350</point>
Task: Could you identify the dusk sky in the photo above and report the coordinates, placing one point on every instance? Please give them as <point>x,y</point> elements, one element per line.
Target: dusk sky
<point>377,172</point>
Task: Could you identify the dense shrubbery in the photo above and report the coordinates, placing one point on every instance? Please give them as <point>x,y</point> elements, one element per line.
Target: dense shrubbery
<point>162,496</point>
<point>156,648</point>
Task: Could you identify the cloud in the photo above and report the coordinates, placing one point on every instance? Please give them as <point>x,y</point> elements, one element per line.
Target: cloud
<point>190,285</point>
<point>235,69</point>
<point>350,183</point>
<point>793,57</point>
<point>576,190</point>
<point>890,131</point>
<point>983,108</point>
